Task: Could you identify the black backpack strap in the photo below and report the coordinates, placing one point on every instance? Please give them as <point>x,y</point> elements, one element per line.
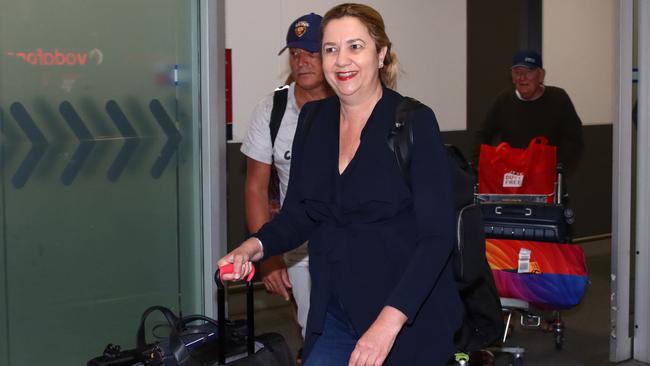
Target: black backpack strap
<point>400,137</point>
<point>310,111</point>
<point>309,118</point>
<point>280,97</point>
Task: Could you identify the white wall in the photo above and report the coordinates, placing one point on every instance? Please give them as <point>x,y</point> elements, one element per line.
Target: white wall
<point>429,37</point>
<point>579,53</point>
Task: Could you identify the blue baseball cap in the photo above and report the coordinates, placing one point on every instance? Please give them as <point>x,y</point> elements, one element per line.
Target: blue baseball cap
<point>527,58</point>
<point>304,33</point>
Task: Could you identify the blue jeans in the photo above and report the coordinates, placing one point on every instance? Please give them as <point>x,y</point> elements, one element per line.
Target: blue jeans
<point>335,345</point>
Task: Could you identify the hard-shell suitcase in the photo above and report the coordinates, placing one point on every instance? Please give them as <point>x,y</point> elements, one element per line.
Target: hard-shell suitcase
<point>527,221</point>
<point>268,349</point>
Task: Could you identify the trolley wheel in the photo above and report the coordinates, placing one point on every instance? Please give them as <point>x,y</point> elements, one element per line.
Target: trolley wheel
<point>559,340</point>
<point>517,360</point>
<point>569,215</point>
<point>558,332</point>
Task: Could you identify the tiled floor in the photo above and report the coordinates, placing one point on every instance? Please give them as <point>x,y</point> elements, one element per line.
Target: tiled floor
<point>586,334</point>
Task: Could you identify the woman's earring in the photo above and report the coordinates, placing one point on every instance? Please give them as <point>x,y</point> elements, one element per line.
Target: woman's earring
<point>381,63</point>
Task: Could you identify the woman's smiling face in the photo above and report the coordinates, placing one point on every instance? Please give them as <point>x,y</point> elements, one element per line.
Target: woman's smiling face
<point>350,58</point>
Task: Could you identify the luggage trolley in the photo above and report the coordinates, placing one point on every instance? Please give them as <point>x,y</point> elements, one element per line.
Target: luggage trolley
<point>527,217</point>
<point>539,217</point>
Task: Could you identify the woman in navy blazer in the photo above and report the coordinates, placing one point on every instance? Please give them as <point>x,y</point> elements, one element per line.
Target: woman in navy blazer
<point>379,242</point>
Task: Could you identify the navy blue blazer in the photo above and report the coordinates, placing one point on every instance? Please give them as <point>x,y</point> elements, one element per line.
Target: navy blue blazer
<point>374,239</point>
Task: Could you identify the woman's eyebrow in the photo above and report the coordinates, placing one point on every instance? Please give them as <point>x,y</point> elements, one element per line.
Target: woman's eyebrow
<point>348,42</point>
<point>356,40</point>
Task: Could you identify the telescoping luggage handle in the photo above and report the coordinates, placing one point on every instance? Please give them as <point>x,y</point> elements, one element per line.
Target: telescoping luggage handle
<point>221,312</point>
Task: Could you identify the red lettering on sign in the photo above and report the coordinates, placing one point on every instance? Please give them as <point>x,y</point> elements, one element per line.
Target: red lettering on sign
<point>48,59</point>
<point>56,57</point>
<point>82,57</point>
<point>31,58</point>
<point>70,59</point>
<point>59,59</point>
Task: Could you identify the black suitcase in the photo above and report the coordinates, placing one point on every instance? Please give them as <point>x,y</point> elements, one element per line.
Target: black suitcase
<point>268,349</point>
<point>527,221</point>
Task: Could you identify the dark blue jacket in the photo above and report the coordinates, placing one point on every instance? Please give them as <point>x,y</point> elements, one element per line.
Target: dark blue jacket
<point>374,240</point>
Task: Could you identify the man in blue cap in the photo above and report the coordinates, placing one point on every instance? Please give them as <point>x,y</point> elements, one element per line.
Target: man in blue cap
<point>289,275</point>
<point>531,109</point>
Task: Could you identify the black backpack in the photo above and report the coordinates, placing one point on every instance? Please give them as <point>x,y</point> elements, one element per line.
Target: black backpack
<point>280,96</point>
<point>483,321</point>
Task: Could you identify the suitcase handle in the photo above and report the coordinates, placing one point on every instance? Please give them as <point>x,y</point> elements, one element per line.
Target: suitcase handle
<point>228,268</point>
<point>221,312</point>
<point>519,210</point>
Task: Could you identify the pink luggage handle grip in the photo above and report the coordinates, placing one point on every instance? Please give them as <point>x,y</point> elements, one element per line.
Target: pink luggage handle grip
<point>228,268</point>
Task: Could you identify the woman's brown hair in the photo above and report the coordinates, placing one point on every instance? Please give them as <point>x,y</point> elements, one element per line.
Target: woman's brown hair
<point>375,24</point>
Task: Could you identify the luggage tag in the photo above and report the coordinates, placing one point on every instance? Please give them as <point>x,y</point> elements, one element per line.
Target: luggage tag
<point>524,261</point>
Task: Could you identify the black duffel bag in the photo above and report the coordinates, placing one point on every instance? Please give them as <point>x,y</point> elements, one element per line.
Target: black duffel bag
<point>187,343</point>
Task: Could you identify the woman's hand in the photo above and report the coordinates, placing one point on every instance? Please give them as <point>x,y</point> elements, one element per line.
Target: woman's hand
<point>375,344</point>
<point>241,258</point>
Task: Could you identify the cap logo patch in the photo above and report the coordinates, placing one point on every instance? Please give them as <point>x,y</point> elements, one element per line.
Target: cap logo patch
<point>530,59</point>
<point>300,28</point>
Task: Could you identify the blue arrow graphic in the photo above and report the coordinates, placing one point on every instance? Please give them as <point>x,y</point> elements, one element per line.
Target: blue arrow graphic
<point>86,142</point>
<point>39,145</point>
<point>173,138</point>
<point>130,144</point>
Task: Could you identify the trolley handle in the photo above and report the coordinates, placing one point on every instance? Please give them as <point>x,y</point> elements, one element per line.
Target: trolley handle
<point>513,210</point>
<point>221,312</point>
<point>229,268</point>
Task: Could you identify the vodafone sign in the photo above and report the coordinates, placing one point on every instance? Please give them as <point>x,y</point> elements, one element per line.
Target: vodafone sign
<point>57,57</point>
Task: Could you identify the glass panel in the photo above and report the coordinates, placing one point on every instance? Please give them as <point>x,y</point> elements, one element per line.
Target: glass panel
<point>100,173</point>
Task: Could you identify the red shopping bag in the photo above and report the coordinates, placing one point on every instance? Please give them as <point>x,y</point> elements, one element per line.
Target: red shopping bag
<point>507,170</point>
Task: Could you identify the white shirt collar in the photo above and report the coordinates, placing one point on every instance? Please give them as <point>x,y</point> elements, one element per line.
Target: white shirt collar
<point>529,100</point>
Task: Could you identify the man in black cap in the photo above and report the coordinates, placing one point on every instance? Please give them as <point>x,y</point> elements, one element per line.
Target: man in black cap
<point>531,109</point>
